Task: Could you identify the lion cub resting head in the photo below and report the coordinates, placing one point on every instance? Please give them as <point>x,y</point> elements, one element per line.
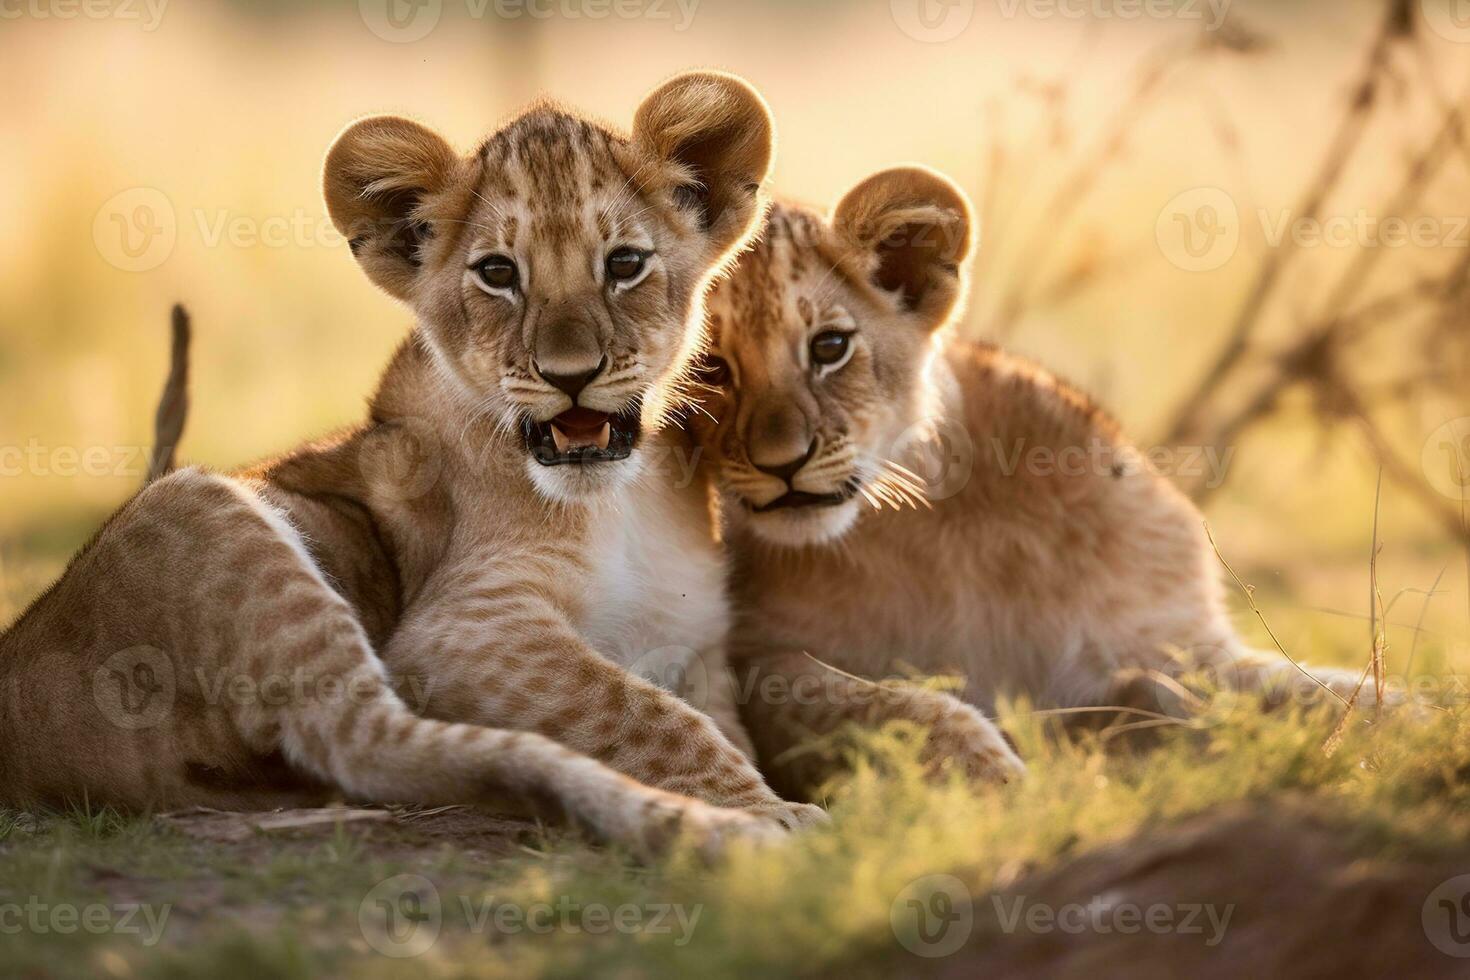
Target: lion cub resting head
<point>557,270</point>
<point>825,329</point>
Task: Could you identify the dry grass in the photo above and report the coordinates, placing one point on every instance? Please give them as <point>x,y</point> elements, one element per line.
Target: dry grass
<point>821,904</point>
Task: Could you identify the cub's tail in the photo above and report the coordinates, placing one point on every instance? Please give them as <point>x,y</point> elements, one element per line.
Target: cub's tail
<point>173,405</point>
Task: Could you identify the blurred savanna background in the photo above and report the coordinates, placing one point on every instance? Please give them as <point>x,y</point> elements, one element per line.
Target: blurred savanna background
<point>1242,225</point>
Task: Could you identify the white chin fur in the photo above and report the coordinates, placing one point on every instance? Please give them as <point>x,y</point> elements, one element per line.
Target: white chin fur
<point>800,526</point>
<point>587,483</point>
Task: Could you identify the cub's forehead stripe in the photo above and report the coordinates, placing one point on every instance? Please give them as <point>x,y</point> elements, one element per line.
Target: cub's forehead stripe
<point>790,273</point>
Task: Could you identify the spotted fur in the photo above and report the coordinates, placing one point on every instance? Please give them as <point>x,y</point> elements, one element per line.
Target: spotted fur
<point>406,612</point>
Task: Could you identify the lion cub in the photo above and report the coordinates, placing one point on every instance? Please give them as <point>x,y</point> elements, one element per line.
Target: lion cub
<point>1087,581</point>
<point>443,604</point>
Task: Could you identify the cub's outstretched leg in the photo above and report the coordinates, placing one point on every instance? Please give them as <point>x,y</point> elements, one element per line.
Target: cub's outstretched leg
<point>789,700</point>
<point>194,654</point>
<point>503,653</point>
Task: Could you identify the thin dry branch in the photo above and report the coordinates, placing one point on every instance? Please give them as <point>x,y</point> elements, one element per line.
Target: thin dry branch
<point>1250,597</point>
<point>1342,147</point>
<point>1376,614</point>
<point>1078,185</point>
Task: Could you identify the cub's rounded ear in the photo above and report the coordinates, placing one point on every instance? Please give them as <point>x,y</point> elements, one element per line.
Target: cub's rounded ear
<point>377,175</point>
<point>718,129</point>
<point>915,224</point>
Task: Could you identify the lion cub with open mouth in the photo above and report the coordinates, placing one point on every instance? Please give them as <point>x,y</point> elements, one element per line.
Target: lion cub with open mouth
<point>442,606</point>
<point>834,394</point>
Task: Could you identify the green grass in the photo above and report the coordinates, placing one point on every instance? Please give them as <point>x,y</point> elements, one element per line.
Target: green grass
<point>819,904</point>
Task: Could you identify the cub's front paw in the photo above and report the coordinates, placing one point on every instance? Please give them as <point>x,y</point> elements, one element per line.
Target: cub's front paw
<point>709,829</point>
<point>963,739</point>
<point>790,816</point>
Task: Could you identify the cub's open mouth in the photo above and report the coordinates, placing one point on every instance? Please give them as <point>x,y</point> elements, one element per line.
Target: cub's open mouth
<point>800,498</point>
<point>583,435</point>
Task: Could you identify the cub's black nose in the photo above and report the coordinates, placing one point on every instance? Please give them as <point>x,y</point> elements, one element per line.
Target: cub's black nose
<point>573,383</point>
<point>786,471</point>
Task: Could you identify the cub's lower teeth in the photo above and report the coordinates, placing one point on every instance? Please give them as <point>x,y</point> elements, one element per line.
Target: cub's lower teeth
<point>604,435</point>
<point>560,438</point>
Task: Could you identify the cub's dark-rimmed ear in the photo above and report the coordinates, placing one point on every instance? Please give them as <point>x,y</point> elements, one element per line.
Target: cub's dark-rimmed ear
<point>915,226</point>
<point>718,129</point>
<point>378,174</point>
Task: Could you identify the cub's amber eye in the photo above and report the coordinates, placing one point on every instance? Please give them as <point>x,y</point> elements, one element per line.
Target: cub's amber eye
<point>713,371</point>
<point>830,346</point>
<point>498,272</point>
<point>625,264</point>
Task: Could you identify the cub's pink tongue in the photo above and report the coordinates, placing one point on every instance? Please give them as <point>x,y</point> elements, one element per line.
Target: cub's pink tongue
<point>579,427</point>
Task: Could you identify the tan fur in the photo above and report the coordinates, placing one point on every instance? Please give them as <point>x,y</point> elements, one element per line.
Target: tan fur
<point>482,616</point>
<point>1074,588</point>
